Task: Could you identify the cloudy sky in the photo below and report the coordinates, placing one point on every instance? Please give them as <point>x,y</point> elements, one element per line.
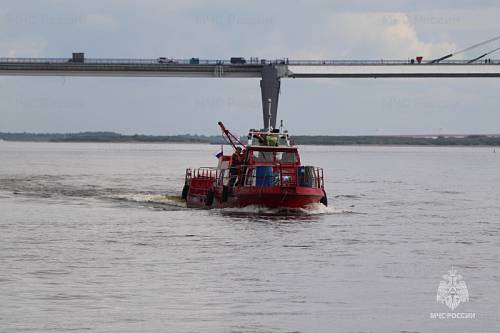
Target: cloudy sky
<point>301,29</point>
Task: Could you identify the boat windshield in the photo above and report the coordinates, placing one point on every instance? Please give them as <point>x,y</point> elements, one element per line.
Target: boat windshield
<point>274,157</point>
<point>285,157</point>
<point>263,156</point>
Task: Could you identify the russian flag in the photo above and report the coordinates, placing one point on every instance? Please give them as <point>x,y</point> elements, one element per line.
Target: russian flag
<point>220,153</point>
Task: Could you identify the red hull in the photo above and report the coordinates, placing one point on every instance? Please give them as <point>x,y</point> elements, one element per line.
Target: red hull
<point>271,197</point>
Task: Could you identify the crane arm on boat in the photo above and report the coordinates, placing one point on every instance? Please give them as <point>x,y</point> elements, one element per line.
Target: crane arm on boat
<point>233,140</point>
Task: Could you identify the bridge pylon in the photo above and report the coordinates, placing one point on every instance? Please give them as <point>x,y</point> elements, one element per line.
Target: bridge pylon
<point>270,89</point>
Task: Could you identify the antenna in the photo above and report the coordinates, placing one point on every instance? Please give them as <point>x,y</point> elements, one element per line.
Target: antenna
<point>269,115</point>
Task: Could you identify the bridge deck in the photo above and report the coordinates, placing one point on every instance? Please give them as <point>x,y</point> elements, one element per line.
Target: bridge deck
<point>223,68</point>
<point>394,71</point>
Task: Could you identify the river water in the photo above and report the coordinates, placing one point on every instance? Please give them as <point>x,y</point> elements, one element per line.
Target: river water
<point>93,237</point>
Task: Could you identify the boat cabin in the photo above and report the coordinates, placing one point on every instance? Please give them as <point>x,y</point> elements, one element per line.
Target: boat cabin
<point>268,160</point>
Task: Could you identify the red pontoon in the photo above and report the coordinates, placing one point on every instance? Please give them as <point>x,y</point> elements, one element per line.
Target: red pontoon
<point>266,172</point>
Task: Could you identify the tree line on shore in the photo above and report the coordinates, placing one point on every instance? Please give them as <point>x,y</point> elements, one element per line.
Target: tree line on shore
<point>466,140</point>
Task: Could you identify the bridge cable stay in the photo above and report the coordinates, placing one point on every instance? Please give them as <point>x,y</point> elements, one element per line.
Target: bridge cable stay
<point>466,49</point>
<point>483,55</point>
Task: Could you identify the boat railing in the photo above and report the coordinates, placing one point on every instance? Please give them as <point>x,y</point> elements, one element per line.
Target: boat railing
<point>200,179</point>
<point>278,175</point>
<point>201,172</point>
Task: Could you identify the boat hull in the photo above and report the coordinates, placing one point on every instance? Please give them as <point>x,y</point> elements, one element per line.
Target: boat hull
<point>271,197</point>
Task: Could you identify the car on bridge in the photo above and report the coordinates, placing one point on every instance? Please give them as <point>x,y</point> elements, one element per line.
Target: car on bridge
<point>164,60</point>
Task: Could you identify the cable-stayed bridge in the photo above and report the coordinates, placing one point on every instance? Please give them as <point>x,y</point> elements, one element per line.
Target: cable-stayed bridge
<point>270,72</point>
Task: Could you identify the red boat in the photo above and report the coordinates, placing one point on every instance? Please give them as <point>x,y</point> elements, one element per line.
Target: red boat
<point>266,172</point>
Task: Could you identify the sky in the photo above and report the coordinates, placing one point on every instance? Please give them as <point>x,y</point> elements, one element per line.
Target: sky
<point>296,29</point>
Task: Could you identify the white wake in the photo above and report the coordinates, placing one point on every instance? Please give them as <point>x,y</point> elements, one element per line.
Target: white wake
<point>312,209</point>
<point>161,199</point>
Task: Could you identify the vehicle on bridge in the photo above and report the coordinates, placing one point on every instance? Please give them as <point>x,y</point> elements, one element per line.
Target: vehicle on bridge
<point>265,172</point>
<point>237,60</point>
<point>165,60</point>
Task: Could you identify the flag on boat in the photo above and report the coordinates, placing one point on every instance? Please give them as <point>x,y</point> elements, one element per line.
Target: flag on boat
<point>220,153</point>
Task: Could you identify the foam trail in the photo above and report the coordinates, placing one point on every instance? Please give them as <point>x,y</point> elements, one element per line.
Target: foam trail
<point>319,208</point>
<point>170,200</point>
<point>312,209</point>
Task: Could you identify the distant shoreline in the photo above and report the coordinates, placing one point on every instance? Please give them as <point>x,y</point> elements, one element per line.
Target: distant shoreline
<point>360,140</point>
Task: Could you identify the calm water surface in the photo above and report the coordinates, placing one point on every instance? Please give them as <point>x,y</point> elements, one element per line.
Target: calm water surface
<point>94,238</point>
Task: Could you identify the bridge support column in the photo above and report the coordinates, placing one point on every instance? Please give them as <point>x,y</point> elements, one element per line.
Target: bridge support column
<point>270,89</point>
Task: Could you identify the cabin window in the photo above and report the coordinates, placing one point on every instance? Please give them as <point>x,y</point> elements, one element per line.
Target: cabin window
<point>285,157</point>
<point>262,156</point>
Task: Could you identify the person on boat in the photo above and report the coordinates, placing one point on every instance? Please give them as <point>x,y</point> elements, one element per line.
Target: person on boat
<point>260,139</point>
<point>236,161</point>
<point>243,166</point>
